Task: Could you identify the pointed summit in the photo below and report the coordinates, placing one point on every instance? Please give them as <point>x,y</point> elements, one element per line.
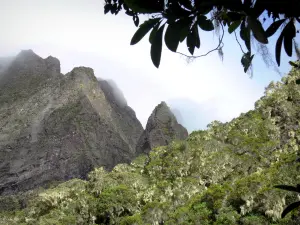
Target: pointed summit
<point>27,54</point>
<point>53,64</point>
<point>162,128</point>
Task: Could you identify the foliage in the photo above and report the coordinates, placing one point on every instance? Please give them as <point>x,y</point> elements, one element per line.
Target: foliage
<point>185,19</point>
<point>293,205</point>
<point>223,175</point>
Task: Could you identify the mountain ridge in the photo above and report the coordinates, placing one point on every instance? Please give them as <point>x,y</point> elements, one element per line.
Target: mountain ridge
<point>55,127</point>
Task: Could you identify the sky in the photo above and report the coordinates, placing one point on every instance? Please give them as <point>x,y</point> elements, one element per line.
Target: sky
<point>79,34</point>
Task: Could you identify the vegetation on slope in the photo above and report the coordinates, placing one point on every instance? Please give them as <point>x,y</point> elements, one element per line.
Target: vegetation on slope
<point>223,175</point>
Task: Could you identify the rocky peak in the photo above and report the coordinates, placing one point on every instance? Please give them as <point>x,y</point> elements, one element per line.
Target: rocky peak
<point>27,55</point>
<point>162,128</point>
<point>160,115</point>
<point>82,74</point>
<point>53,64</point>
<point>28,67</point>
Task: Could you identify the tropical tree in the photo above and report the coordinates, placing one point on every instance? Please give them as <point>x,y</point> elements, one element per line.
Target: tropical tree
<point>178,20</point>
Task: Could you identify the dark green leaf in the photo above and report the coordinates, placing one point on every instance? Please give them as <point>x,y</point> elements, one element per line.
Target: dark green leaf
<point>107,8</point>
<point>197,36</point>
<point>153,32</point>
<point>136,20</point>
<point>143,30</point>
<point>190,43</point>
<point>234,16</point>
<point>278,48</point>
<point>233,26</point>
<point>289,33</point>
<point>172,36</point>
<point>156,46</point>
<point>185,24</point>
<point>193,40</point>
<point>129,13</point>
<point>274,27</point>
<point>204,23</point>
<point>287,188</point>
<point>113,8</point>
<point>245,35</point>
<point>257,29</point>
<point>125,7</point>
<point>289,208</point>
<point>246,61</point>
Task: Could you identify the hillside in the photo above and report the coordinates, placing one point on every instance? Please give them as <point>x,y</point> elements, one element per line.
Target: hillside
<point>222,175</point>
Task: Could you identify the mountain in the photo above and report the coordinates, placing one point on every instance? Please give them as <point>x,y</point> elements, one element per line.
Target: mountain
<point>223,175</point>
<point>162,128</point>
<point>55,127</point>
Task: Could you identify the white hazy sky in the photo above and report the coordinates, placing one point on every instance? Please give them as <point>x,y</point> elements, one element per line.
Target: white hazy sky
<point>79,34</point>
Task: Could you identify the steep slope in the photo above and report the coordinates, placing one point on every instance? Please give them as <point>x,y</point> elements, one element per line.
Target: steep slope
<point>161,129</point>
<point>122,114</point>
<point>223,175</point>
<point>55,127</point>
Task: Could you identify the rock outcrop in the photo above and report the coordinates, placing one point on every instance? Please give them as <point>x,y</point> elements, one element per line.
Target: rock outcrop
<point>55,127</point>
<point>162,128</point>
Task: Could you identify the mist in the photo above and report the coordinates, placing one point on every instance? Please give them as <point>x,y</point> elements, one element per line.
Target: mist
<point>116,95</point>
<point>5,62</point>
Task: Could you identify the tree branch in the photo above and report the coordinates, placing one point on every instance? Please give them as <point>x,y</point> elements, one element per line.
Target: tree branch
<point>220,45</point>
<point>238,42</point>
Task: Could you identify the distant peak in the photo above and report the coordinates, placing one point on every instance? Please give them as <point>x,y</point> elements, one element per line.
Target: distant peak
<point>163,103</point>
<point>27,54</point>
<point>82,69</point>
<point>53,63</point>
<point>27,51</point>
<point>162,106</point>
<point>83,73</point>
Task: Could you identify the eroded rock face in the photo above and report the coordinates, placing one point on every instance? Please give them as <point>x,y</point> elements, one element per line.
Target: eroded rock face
<point>55,127</point>
<point>124,116</point>
<point>162,127</point>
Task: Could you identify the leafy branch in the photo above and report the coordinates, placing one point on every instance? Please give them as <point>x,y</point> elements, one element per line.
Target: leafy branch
<point>184,18</point>
<point>220,46</point>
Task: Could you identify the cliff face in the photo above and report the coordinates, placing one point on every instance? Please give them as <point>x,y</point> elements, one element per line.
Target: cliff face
<point>56,127</point>
<point>162,128</point>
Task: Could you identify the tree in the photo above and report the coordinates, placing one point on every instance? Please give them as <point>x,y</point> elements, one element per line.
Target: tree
<point>185,19</point>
